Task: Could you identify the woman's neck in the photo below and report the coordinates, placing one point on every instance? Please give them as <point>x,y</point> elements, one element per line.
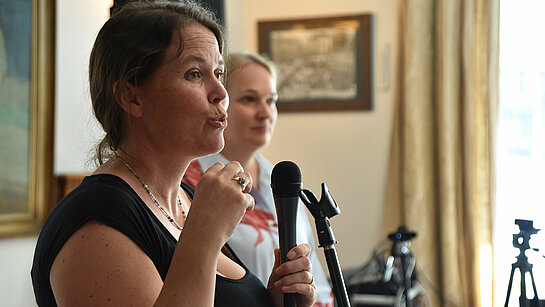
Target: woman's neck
<point>162,173</point>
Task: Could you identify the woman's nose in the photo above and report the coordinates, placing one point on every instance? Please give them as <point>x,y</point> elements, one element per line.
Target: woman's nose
<point>265,109</point>
<point>218,93</point>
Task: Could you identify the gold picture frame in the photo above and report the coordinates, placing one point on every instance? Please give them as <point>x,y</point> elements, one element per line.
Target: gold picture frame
<point>23,212</point>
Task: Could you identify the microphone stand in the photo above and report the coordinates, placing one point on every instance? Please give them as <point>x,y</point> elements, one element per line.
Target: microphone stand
<point>321,211</point>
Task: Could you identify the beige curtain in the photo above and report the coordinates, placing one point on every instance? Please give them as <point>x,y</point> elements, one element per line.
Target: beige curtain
<point>441,176</point>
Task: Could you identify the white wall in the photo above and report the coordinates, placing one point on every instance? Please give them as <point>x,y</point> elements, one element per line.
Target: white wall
<point>15,263</point>
<point>347,150</point>
<point>76,131</point>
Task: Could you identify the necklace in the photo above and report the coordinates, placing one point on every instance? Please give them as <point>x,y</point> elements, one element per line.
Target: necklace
<point>165,212</point>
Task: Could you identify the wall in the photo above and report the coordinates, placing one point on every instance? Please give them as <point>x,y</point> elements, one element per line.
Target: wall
<point>15,263</point>
<point>347,150</point>
<point>76,131</point>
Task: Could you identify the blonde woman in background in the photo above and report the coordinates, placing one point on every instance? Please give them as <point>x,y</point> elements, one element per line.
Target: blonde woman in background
<point>251,84</point>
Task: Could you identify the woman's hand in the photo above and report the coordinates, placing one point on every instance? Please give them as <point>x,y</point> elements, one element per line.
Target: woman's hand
<point>220,201</point>
<point>293,276</point>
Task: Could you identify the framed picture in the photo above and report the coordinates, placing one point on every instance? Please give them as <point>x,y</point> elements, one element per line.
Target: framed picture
<point>27,42</point>
<point>323,63</point>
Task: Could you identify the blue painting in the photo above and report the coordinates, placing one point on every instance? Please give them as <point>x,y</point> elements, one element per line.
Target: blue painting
<point>15,80</point>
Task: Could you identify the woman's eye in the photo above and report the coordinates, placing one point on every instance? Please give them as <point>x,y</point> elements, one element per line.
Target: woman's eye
<point>247,99</point>
<point>272,101</point>
<point>219,75</point>
<point>194,75</point>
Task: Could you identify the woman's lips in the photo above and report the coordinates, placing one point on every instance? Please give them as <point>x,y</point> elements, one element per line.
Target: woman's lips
<point>261,129</point>
<point>219,122</point>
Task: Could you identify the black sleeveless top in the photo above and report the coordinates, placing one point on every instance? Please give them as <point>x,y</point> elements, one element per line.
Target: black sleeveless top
<point>110,200</point>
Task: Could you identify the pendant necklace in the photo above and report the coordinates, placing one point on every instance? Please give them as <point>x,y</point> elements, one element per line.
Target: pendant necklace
<point>165,212</point>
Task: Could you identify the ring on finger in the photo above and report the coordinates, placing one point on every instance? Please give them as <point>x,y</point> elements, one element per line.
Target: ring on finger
<point>243,183</point>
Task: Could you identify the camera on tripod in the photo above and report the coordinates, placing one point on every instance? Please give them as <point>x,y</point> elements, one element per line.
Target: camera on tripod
<point>522,239</point>
<point>522,242</point>
<point>388,280</point>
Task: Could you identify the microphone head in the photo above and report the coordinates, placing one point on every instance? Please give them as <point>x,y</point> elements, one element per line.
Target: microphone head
<point>286,179</point>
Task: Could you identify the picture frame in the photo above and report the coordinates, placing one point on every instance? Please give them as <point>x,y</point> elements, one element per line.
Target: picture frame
<point>324,64</point>
<point>27,65</point>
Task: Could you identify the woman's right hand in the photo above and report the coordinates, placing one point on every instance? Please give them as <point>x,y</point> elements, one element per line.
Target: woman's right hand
<point>220,201</point>
<point>293,276</point>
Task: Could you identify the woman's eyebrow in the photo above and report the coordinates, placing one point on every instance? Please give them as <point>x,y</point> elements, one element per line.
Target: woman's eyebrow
<point>199,59</point>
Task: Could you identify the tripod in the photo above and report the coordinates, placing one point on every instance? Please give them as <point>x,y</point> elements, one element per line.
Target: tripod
<point>522,242</point>
<point>400,248</point>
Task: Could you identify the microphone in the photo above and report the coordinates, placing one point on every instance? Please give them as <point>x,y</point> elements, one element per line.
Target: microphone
<point>286,185</point>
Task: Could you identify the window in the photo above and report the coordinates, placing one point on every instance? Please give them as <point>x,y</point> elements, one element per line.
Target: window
<point>521,145</point>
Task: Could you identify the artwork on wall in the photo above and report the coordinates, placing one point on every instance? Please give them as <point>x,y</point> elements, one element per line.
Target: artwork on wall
<point>27,29</point>
<point>323,63</point>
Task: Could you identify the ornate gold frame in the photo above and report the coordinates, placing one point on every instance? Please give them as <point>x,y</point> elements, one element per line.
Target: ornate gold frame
<point>41,124</point>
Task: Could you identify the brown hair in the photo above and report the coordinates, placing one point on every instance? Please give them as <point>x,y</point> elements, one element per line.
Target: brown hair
<point>129,48</point>
<point>236,60</point>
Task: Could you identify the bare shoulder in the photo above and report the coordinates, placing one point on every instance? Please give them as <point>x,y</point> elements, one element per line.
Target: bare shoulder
<point>99,265</point>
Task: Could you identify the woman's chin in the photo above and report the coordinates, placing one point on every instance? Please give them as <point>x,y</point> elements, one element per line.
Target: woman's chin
<point>217,148</point>
<point>209,148</point>
<point>263,142</point>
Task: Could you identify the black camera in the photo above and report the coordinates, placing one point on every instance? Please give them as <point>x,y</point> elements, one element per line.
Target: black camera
<point>522,239</point>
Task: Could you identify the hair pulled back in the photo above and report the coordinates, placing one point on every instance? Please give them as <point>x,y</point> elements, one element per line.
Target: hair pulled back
<point>129,48</point>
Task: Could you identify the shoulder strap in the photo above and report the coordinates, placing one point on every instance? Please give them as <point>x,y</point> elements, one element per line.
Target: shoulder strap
<point>188,189</point>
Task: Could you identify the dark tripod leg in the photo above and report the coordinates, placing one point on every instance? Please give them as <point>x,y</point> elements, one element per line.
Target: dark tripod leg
<point>510,284</point>
<point>523,300</point>
<point>406,279</point>
<point>536,298</point>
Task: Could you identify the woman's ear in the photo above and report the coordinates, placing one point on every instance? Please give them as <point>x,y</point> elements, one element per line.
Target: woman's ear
<point>127,98</point>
